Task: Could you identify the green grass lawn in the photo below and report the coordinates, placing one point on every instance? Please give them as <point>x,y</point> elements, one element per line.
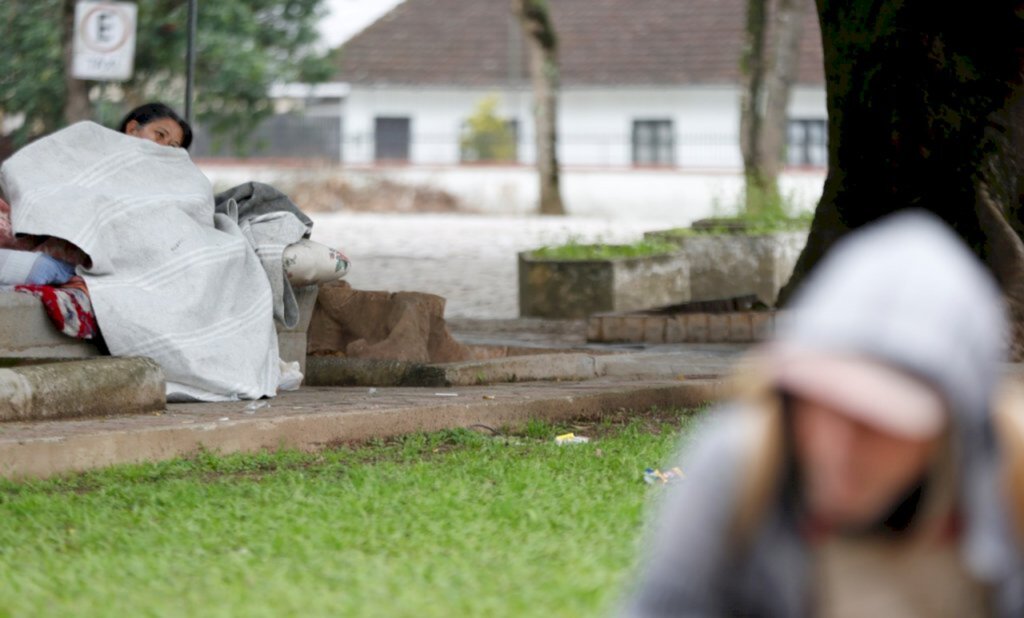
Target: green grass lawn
<point>452,524</point>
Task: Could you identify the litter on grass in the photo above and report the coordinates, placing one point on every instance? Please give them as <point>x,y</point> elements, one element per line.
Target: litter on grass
<point>570,438</point>
<point>653,476</point>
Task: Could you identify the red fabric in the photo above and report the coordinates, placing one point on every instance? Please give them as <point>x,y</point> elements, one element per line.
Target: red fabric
<point>68,306</point>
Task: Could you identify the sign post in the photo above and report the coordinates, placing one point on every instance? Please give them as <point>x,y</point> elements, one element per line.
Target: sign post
<point>190,58</point>
<point>104,41</point>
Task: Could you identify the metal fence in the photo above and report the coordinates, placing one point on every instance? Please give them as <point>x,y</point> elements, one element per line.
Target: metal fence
<point>680,150</point>
<point>313,137</point>
<point>280,136</point>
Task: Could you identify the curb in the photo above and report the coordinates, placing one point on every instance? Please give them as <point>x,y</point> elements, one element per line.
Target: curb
<point>341,371</point>
<point>74,389</point>
<point>569,366</point>
<point>79,446</point>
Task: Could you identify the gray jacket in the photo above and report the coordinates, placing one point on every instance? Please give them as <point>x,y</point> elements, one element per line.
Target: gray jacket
<point>906,292</point>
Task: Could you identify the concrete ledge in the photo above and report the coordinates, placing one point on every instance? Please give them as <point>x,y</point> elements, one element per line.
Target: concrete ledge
<point>574,366</point>
<point>100,386</point>
<point>520,369</point>
<point>26,331</point>
<point>715,362</point>
<point>315,418</point>
<point>343,371</point>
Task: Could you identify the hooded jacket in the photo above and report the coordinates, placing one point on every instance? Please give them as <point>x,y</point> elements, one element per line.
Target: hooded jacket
<point>906,292</point>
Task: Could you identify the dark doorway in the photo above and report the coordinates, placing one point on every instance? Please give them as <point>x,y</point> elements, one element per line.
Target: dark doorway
<point>391,139</point>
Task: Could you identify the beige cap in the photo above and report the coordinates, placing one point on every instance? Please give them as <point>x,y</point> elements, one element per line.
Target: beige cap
<point>888,399</point>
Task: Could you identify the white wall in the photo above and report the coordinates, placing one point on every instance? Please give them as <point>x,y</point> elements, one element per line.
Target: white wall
<point>807,103</point>
<point>595,124</point>
<point>435,120</point>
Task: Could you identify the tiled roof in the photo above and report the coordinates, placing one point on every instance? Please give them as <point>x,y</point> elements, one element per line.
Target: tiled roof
<point>601,43</point>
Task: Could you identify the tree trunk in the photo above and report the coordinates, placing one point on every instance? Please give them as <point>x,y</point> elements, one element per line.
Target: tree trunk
<point>76,102</point>
<point>787,24</point>
<point>923,102</point>
<point>770,64</point>
<point>753,69</point>
<point>542,45</point>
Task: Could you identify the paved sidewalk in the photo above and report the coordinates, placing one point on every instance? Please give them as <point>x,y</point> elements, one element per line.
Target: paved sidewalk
<point>471,260</point>
<point>317,417</point>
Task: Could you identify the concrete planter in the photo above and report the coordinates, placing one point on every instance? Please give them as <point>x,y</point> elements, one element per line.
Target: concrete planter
<point>730,265</point>
<point>573,289</point>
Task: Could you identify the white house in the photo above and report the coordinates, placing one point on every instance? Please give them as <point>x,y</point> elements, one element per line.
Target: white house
<point>645,84</point>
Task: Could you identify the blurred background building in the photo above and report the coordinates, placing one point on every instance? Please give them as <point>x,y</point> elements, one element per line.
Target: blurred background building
<point>649,106</point>
<point>649,84</point>
<point>653,83</point>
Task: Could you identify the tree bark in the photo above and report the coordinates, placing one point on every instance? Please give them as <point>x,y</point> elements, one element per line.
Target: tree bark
<point>76,101</point>
<point>753,68</point>
<point>924,112</point>
<point>770,64</point>
<point>542,45</point>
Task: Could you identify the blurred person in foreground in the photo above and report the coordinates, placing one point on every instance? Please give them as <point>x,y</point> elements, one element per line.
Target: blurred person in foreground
<point>866,467</point>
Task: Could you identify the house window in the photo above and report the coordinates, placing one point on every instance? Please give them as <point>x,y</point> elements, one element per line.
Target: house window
<point>653,142</point>
<point>807,143</point>
<point>391,139</point>
<point>499,143</point>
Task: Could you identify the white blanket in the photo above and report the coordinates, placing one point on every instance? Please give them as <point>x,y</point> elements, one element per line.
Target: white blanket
<point>169,279</point>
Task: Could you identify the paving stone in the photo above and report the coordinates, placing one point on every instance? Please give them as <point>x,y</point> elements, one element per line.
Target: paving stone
<point>675,329</point>
<point>718,328</point>
<point>633,328</point>
<point>654,329</point>
<point>697,328</point>
<point>762,325</point>
<point>739,327</point>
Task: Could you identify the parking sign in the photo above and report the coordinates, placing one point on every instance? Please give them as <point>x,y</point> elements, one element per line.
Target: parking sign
<point>104,45</point>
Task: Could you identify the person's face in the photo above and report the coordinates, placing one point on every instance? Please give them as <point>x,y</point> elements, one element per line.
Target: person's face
<point>163,131</point>
<point>852,473</point>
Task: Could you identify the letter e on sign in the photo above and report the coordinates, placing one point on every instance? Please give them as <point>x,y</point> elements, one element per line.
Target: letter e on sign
<point>104,44</point>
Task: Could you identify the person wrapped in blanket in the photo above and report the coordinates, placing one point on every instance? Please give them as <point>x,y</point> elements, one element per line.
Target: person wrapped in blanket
<point>34,261</point>
<point>46,266</point>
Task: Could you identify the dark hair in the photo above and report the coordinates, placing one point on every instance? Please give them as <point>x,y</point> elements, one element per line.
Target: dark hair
<point>145,114</point>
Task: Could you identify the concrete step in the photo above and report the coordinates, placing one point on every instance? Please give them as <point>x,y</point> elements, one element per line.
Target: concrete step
<point>26,331</point>
<point>71,389</point>
<point>708,360</point>
<point>314,418</point>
